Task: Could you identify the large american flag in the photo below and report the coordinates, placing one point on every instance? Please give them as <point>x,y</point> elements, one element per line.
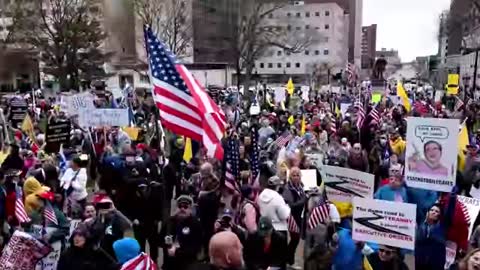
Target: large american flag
<point>20,212</point>
<point>232,167</point>
<point>351,73</point>
<point>185,108</point>
<point>254,155</point>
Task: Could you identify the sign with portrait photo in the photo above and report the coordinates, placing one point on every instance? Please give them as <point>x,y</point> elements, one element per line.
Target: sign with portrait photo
<point>431,155</point>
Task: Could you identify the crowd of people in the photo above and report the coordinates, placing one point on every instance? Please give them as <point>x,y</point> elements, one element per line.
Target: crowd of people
<point>111,200</point>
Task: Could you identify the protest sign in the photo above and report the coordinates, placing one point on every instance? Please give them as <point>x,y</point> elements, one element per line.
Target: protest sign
<point>472,206</point>
<point>104,118</point>
<point>279,94</point>
<point>78,103</point>
<point>50,261</point>
<point>344,108</point>
<point>428,165</point>
<point>309,179</point>
<point>18,110</point>
<point>316,159</point>
<point>58,131</point>
<point>73,225</point>
<point>451,253</point>
<point>342,184</point>
<point>23,252</point>
<point>384,222</point>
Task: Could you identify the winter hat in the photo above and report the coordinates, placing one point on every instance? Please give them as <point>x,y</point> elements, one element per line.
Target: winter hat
<point>126,249</point>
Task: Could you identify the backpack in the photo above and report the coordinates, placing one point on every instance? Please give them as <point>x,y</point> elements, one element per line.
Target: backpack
<point>241,213</point>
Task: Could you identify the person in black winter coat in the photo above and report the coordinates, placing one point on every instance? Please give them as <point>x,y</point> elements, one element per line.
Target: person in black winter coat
<point>265,248</point>
<point>181,237</point>
<point>13,160</point>
<point>82,255</point>
<point>387,258</point>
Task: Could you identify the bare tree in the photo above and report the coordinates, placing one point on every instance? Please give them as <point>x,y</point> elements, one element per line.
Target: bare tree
<point>254,36</point>
<point>170,20</point>
<point>67,35</point>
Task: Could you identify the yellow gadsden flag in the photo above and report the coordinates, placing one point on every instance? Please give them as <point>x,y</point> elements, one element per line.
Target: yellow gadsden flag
<point>303,126</point>
<point>187,152</point>
<point>403,95</point>
<point>27,127</point>
<point>463,141</point>
<point>291,120</point>
<point>290,86</point>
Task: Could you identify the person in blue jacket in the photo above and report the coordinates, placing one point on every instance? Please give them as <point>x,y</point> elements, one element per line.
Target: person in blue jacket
<point>395,191</point>
<point>431,236</point>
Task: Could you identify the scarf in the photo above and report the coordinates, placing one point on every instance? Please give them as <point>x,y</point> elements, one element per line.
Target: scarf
<point>297,188</point>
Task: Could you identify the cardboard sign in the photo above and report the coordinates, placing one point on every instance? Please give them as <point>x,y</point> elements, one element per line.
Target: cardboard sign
<point>50,262</point>
<point>78,103</point>
<point>472,206</point>
<point>429,165</point>
<point>58,132</point>
<point>342,184</point>
<point>451,253</point>
<point>104,118</point>
<point>23,252</point>
<point>384,222</point>
<point>309,179</point>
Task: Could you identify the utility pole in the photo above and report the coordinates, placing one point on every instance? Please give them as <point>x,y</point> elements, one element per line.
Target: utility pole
<point>475,73</point>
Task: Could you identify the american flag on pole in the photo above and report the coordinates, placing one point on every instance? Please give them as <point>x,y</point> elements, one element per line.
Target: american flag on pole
<point>232,170</point>
<point>141,262</point>
<point>283,139</point>
<point>49,214</point>
<point>458,104</point>
<point>20,212</point>
<point>254,155</point>
<point>374,114</point>
<point>351,73</point>
<point>333,125</point>
<point>292,225</point>
<point>185,108</point>
<point>319,214</point>
<point>360,113</point>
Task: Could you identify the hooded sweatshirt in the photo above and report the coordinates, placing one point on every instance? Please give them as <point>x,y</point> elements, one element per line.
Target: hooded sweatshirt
<point>273,206</point>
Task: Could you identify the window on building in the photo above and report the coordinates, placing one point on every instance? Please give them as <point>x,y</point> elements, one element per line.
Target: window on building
<point>317,14</point>
<point>325,52</point>
<point>144,78</point>
<point>279,65</point>
<point>327,26</point>
<point>327,13</point>
<point>317,52</point>
<point>316,27</point>
<point>279,53</point>
<point>307,26</point>
<point>307,52</point>
<point>307,14</point>
<point>270,65</point>
<point>297,65</point>
<point>289,14</point>
<point>298,14</point>
<point>270,15</point>
<point>288,53</point>
<point>262,65</point>
<point>298,28</point>
<point>289,27</point>
<point>288,64</point>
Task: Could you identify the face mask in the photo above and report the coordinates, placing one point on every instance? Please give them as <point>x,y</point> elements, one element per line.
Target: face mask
<point>383,141</point>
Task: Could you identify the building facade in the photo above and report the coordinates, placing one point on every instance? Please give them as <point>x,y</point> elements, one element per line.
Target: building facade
<point>326,23</point>
<point>369,46</point>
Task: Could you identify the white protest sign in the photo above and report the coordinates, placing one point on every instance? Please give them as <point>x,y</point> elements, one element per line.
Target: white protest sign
<point>429,164</point>
<point>342,184</point>
<point>309,179</point>
<point>78,103</point>
<point>344,108</point>
<point>472,208</point>
<point>384,222</point>
<point>305,92</point>
<point>279,94</point>
<point>50,262</point>
<point>22,252</point>
<point>73,225</point>
<point>451,253</point>
<point>104,117</point>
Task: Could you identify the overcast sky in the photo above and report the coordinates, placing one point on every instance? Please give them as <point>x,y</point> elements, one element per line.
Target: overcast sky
<point>410,26</point>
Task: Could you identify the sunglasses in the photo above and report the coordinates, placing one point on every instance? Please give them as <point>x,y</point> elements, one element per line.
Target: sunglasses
<point>385,251</point>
